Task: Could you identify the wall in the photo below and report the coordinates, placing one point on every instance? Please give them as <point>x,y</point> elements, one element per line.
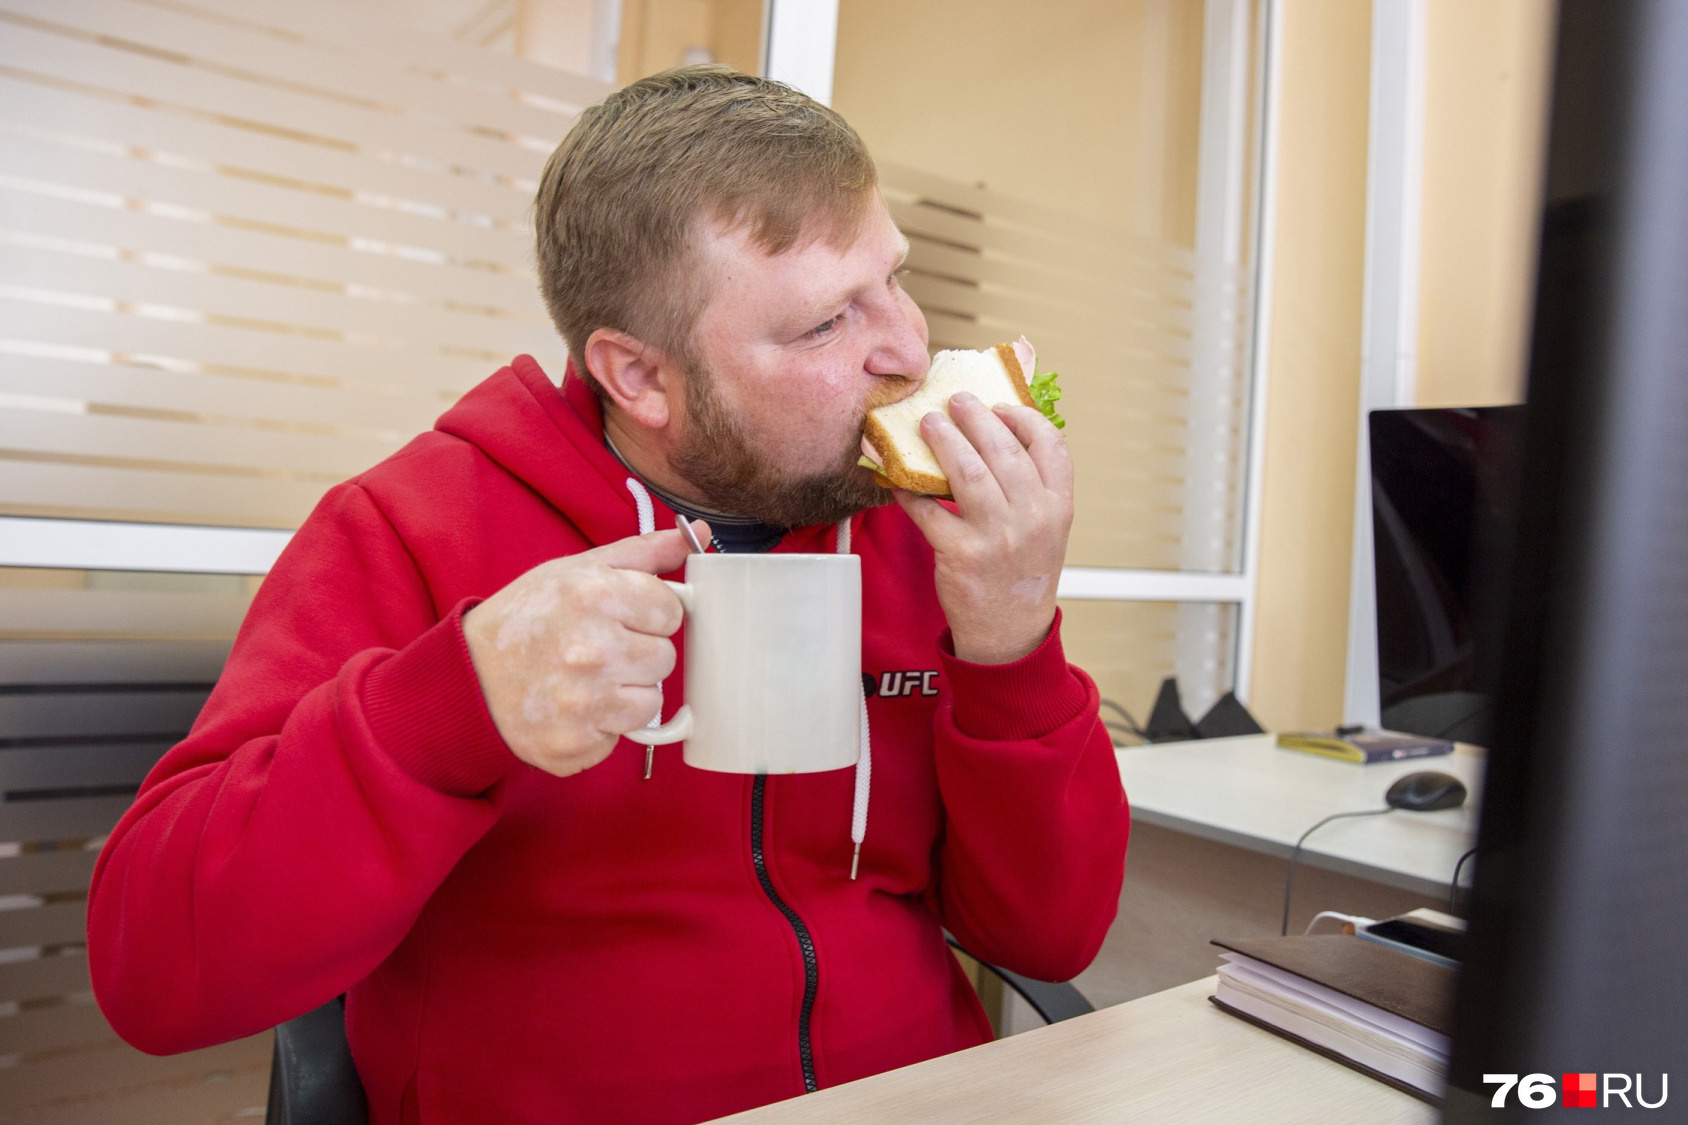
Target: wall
<point>657,34</point>
<point>1485,96</point>
<point>1094,112</point>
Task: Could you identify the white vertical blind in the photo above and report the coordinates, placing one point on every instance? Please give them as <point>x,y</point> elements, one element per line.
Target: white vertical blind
<point>801,42</point>
<point>1389,322</point>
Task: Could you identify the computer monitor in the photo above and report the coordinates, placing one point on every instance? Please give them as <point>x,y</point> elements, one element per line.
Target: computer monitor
<point>1579,917</point>
<point>1443,483</point>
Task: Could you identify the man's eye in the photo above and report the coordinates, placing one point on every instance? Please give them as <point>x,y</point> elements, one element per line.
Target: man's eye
<point>896,277</point>
<point>823,328</point>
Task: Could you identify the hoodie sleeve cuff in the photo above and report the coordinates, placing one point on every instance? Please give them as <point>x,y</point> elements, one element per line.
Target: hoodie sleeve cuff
<point>1028,699</point>
<point>425,707</point>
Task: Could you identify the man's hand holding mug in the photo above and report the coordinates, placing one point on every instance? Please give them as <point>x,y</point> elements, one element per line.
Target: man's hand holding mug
<point>570,654</point>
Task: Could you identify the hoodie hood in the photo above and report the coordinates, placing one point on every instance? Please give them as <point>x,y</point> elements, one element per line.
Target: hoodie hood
<point>552,439</point>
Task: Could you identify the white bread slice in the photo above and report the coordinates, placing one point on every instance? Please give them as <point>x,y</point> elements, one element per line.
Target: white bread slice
<point>995,375</point>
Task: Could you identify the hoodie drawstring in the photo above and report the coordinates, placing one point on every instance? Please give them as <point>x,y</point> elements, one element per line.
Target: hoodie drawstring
<point>864,763</point>
<point>647,524</point>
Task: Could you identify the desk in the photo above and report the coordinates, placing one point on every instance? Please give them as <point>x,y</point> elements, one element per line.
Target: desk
<point>1248,793</point>
<point>1171,1057</point>
<point>1212,823</point>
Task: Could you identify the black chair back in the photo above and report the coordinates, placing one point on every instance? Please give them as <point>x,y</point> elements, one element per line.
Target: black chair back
<point>312,1078</point>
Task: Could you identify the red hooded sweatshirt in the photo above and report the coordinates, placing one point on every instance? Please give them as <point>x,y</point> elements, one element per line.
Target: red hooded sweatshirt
<point>517,947</point>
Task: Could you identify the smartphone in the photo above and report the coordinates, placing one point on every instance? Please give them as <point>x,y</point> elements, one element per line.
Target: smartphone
<point>1433,943</point>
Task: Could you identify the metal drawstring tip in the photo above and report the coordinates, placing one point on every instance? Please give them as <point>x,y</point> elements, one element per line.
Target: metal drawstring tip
<point>855,861</point>
<point>650,756</point>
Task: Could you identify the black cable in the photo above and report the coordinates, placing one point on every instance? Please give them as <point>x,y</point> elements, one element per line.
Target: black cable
<point>1121,728</point>
<point>1453,887</point>
<point>1289,882</point>
<point>1131,723</point>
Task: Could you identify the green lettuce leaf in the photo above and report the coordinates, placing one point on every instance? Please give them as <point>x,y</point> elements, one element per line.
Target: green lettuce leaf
<point>1044,394</point>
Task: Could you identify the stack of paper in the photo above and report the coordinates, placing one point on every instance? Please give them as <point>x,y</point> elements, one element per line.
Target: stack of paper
<point>1377,1009</point>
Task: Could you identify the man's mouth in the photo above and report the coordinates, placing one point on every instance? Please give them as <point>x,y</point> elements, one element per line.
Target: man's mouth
<point>894,388</point>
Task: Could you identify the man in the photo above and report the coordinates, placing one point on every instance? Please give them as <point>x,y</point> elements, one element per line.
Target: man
<point>412,783</point>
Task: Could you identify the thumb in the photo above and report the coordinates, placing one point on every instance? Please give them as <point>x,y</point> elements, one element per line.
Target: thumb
<point>656,553</point>
<point>927,514</point>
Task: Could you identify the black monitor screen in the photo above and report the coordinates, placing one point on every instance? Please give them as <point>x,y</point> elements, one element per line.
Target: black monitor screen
<point>1575,972</point>
<point>1442,482</point>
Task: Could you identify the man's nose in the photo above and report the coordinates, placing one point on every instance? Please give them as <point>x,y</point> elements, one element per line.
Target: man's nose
<point>902,351</point>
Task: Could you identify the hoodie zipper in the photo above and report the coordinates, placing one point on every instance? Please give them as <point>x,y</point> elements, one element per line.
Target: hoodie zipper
<point>811,967</point>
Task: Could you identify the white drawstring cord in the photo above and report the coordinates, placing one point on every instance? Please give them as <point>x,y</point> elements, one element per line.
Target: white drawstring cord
<point>864,763</point>
<point>647,524</point>
<point>642,501</point>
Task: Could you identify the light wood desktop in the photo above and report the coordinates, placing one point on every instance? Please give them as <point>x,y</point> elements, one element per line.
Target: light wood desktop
<point>1171,1057</point>
<point>1249,793</point>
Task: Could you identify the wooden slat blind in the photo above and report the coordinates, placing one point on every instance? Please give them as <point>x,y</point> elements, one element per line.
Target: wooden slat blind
<point>247,255</point>
<point>1127,647</point>
<point>248,249</point>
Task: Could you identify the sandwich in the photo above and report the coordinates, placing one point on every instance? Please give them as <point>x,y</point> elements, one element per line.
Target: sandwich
<point>891,443</point>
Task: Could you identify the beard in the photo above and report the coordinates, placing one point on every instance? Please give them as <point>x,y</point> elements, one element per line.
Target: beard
<point>723,462</point>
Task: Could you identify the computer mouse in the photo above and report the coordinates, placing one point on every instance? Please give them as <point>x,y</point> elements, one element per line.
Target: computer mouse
<point>1426,791</point>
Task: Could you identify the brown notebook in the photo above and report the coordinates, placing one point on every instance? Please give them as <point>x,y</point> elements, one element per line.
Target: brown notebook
<point>1398,983</point>
<point>1403,985</point>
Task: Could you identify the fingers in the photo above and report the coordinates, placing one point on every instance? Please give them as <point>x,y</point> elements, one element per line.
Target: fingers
<point>971,481</point>
<point>646,660</point>
<point>927,514</point>
<point>996,452</point>
<point>1044,445</point>
<point>640,602</point>
<point>626,588</point>
<point>570,654</point>
<point>656,553</point>
<point>629,708</point>
<point>648,606</point>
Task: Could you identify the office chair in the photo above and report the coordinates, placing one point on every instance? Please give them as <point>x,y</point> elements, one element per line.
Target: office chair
<point>312,1078</point>
<point>1053,1001</point>
<point>314,1082</point>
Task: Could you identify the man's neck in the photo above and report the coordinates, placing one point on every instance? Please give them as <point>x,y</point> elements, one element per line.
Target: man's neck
<point>730,534</point>
<point>643,453</point>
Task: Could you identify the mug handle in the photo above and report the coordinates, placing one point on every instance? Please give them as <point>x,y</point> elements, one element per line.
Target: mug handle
<point>679,728</point>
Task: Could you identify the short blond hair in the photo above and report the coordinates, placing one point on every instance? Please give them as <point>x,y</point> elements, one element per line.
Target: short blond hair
<point>624,194</point>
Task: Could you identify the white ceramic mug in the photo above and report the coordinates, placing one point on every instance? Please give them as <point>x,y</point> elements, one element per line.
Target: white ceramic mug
<point>773,664</point>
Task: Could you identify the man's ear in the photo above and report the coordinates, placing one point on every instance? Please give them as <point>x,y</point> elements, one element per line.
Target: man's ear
<point>638,378</point>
